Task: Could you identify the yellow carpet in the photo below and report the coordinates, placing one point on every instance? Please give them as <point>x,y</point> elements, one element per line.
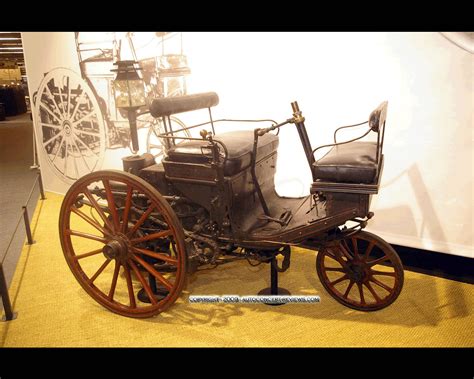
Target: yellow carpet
<point>53,310</point>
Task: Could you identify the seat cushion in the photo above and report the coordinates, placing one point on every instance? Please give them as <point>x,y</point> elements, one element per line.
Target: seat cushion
<point>354,162</point>
<point>239,146</point>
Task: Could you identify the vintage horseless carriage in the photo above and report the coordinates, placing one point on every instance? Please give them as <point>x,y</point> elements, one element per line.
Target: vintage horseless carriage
<point>131,238</point>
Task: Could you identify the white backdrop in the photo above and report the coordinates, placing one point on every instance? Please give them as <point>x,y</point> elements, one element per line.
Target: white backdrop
<point>426,200</point>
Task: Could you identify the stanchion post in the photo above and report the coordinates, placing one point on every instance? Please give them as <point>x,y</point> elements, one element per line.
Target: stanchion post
<point>29,236</point>
<point>7,306</point>
<point>40,183</point>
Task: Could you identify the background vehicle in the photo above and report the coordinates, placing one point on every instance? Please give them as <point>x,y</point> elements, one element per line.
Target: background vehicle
<point>77,113</point>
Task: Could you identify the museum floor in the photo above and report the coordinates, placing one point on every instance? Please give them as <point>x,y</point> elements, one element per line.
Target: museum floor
<point>54,311</point>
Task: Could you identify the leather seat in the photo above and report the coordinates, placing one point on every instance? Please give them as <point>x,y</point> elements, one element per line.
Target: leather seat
<point>239,146</point>
<point>354,162</point>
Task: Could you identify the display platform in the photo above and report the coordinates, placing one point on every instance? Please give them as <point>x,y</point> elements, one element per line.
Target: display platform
<point>54,311</point>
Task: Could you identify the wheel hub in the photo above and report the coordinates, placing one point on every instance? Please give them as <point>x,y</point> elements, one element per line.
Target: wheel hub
<point>116,249</point>
<point>67,127</point>
<point>357,272</point>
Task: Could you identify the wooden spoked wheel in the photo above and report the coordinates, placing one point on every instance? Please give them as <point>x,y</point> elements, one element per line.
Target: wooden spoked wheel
<point>71,127</point>
<point>121,238</point>
<point>362,272</point>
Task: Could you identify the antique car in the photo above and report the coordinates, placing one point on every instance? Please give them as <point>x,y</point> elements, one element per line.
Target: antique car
<point>132,238</point>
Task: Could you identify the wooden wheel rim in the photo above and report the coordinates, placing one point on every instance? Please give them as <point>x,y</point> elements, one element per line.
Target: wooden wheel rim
<point>358,275</point>
<point>135,308</point>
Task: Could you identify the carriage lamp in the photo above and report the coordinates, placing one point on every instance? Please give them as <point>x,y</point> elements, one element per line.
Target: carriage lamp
<point>129,92</point>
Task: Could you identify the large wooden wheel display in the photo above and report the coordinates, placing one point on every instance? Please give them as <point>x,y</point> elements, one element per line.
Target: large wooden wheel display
<point>70,125</point>
<point>123,243</point>
<point>362,272</point>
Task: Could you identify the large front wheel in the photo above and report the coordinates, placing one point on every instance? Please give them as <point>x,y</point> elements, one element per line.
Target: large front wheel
<point>362,272</point>
<point>123,243</point>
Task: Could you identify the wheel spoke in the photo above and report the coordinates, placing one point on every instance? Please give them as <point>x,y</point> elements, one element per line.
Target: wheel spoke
<point>60,134</point>
<point>85,235</point>
<point>354,244</point>
<point>68,97</point>
<point>153,254</point>
<point>75,163</point>
<point>145,285</point>
<point>82,156</point>
<point>378,260</point>
<point>65,158</point>
<point>372,291</point>
<point>348,289</point>
<point>89,254</point>
<point>114,281</point>
<point>152,271</point>
<point>348,249</point>
<point>346,253</point>
<point>59,149</point>
<point>54,101</point>
<point>338,269</point>
<point>99,271</point>
<point>369,250</point>
<point>141,220</point>
<point>380,284</point>
<point>62,103</point>
<point>342,278</point>
<point>83,144</point>
<point>161,234</point>
<point>78,102</point>
<point>52,126</point>
<point>128,204</point>
<point>111,204</point>
<point>97,208</point>
<point>51,113</point>
<point>87,133</point>
<point>90,221</point>
<point>361,293</point>
<point>84,118</point>
<point>131,294</point>
<point>336,257</point>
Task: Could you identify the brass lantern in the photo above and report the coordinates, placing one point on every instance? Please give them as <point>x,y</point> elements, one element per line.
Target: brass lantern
<point>129,92</point>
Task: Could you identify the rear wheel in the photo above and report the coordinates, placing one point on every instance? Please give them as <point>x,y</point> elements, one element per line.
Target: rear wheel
<point>362,272</point>
<point>122,241</point>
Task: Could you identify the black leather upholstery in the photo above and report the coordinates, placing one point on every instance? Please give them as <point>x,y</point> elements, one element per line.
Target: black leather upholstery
<point>178,104</point>
<point>239,146</point>
<point>354,162</point>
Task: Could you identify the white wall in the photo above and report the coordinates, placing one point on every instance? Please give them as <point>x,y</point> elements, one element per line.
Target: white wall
<point>426,200</point>
<point>339,78</point>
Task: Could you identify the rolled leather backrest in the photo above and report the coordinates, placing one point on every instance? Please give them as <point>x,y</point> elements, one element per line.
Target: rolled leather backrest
<point>179,104</point>
<point>378,116</point>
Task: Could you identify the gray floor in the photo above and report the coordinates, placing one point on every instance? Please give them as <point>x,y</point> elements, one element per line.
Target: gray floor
<point>16,180</point>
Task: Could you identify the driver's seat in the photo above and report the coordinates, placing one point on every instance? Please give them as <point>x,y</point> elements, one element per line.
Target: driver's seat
<point>239,145</point>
